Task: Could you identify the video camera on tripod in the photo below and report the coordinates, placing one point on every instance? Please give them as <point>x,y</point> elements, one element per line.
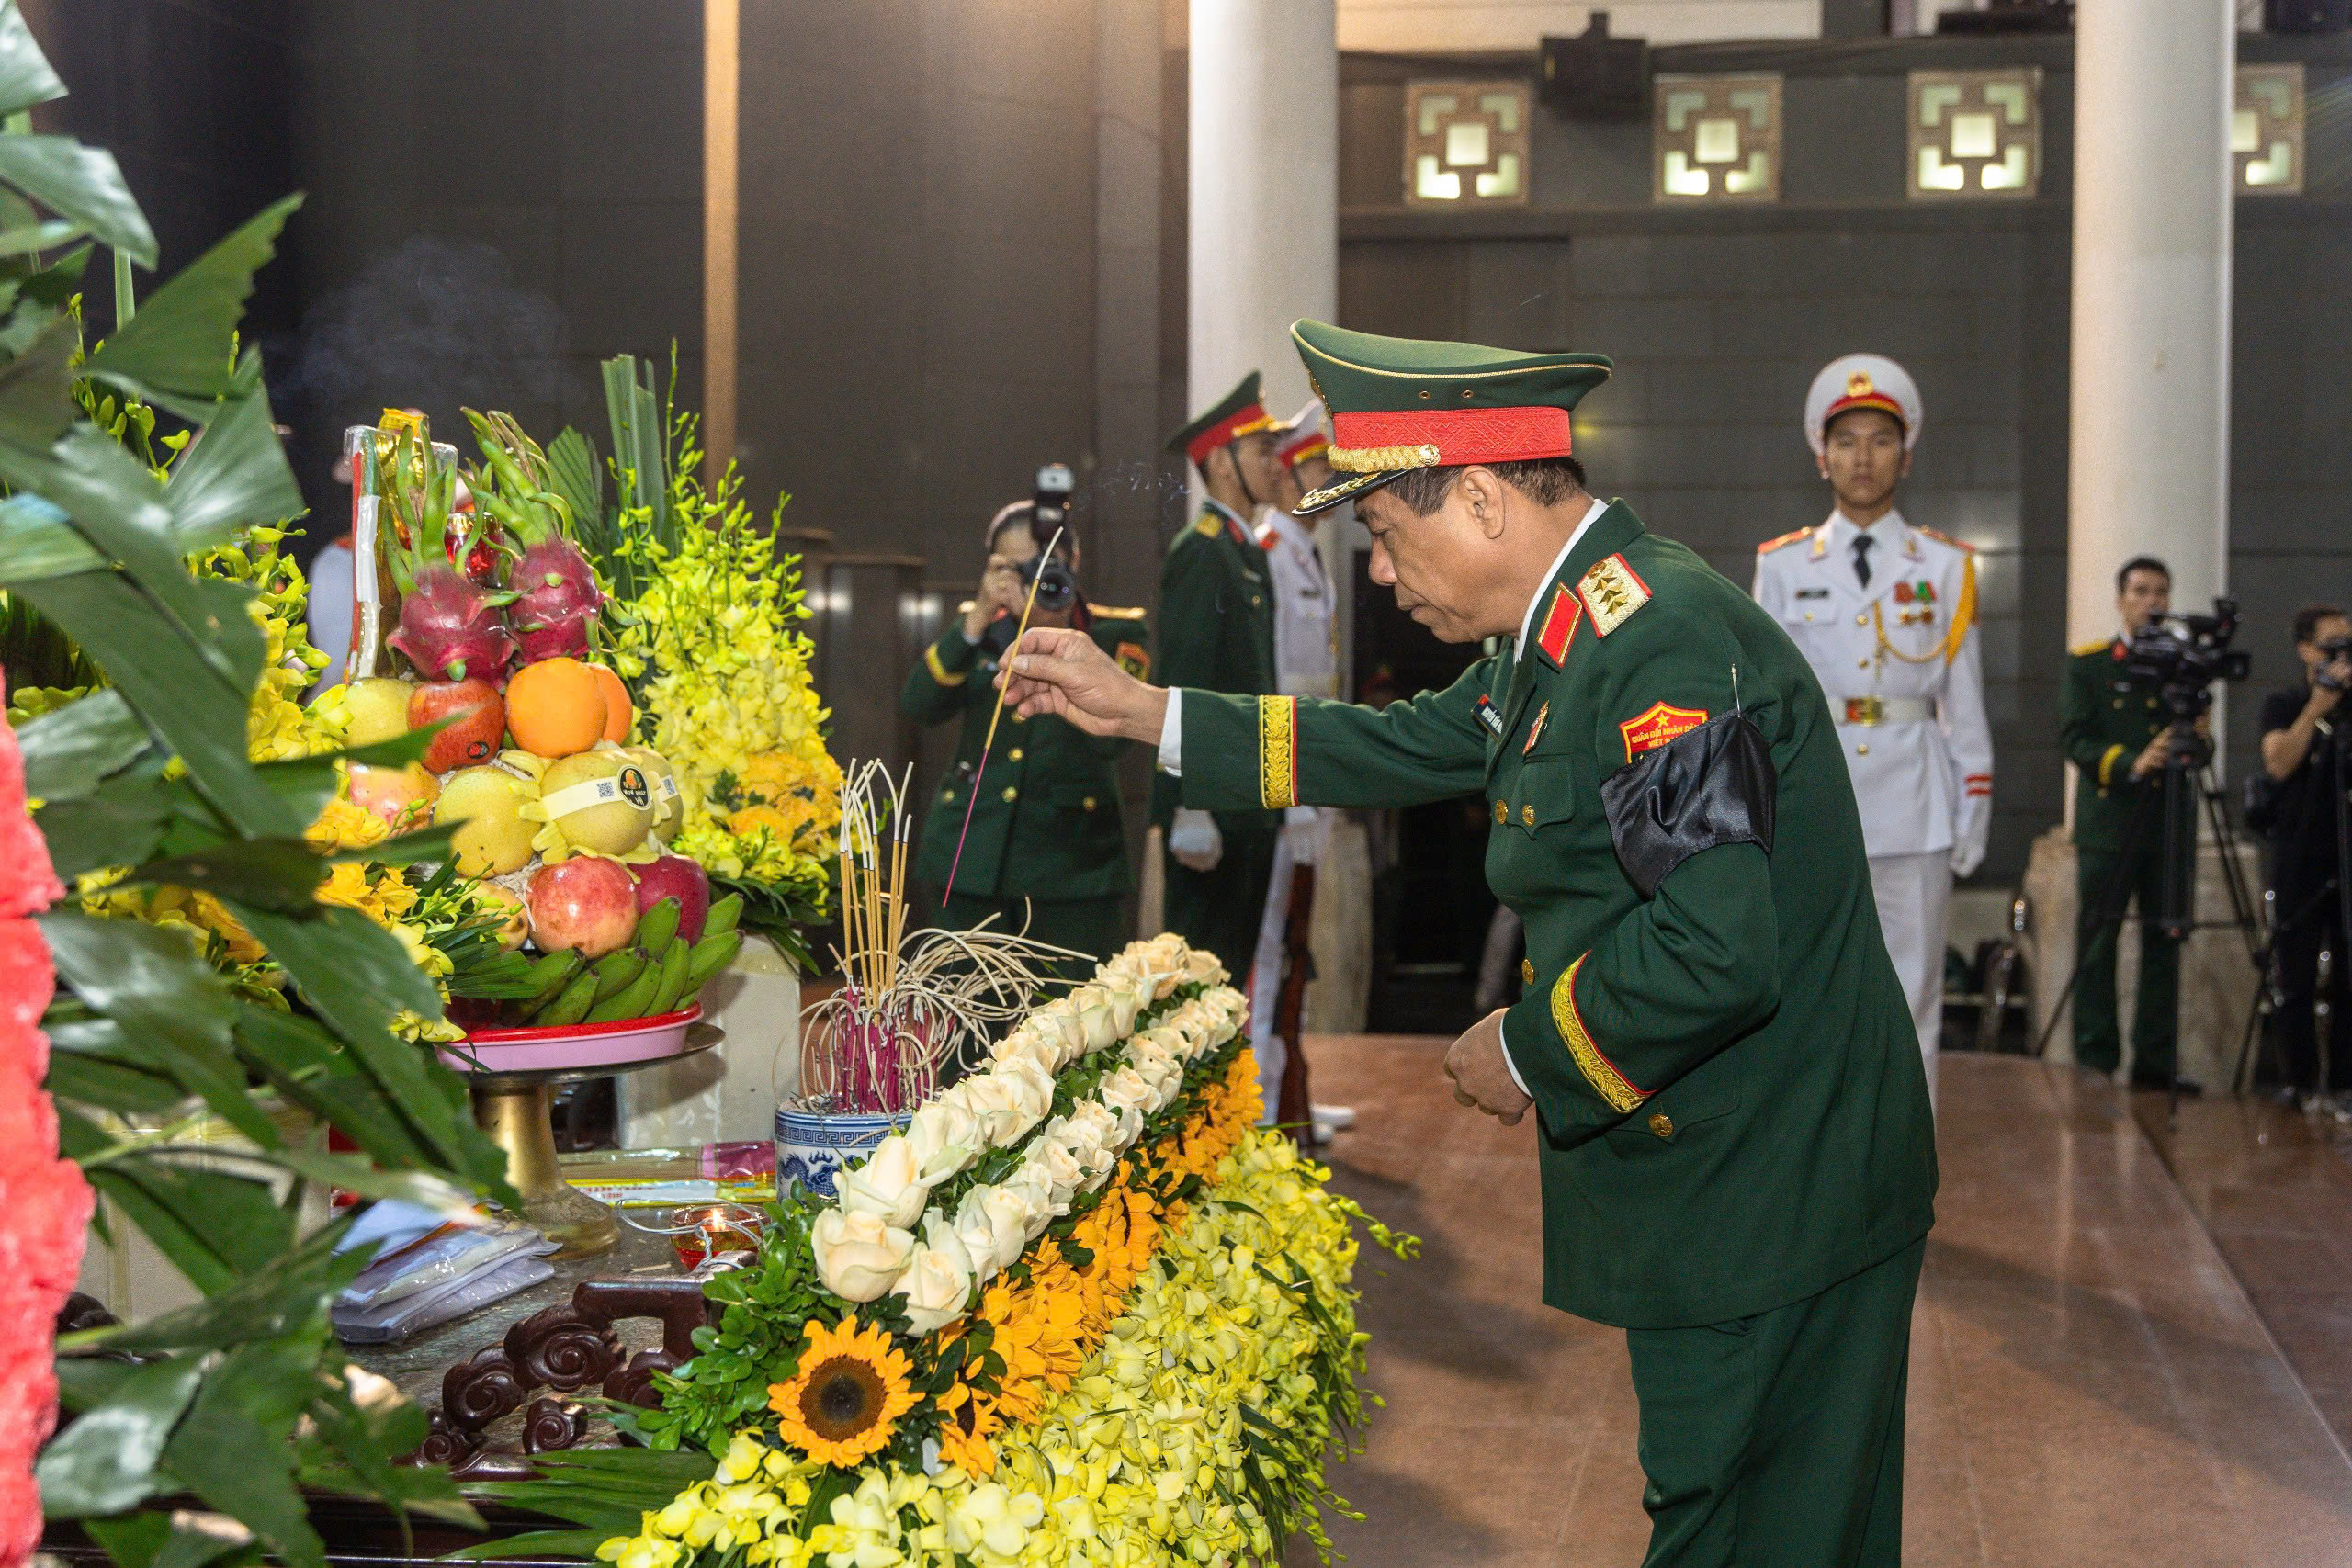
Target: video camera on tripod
<point>2185,655</point>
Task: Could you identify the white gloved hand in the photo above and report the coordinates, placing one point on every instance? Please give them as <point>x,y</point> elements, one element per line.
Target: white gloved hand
<point>1194,839</point>
<point>1303,834</point>
<point>1970,833</point>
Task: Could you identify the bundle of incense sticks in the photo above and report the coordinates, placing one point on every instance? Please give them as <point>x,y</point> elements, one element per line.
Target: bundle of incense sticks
<point>913,1003</point>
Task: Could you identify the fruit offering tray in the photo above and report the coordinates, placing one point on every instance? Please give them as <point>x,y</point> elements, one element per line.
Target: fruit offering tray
<point>570,1047</point>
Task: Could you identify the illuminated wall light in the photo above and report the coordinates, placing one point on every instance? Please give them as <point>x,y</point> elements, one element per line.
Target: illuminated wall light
<point>1465,143</point>
<point>2267,130</point>
<point>1975,134</point>
<point>1717,138</point>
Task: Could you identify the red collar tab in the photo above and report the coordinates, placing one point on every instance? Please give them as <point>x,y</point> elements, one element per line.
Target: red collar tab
<point>1242,422</point>
<point>1559,627</point>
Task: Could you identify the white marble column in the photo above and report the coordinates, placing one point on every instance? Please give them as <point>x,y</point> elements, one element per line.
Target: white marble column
<point>2148,451</point>
<point>1264,170</point>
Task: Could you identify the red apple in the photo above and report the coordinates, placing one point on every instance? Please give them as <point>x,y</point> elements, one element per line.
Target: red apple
<point>675,876</point>
<point>402,797</point>
<point>477,716</point>
<point>585,902</point>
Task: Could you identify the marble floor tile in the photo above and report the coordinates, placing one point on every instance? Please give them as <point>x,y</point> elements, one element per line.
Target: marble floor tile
<point>2091,1383</point>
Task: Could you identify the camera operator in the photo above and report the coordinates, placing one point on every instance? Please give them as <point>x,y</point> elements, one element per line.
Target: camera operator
<point>1045,849</point>
<point>2299,754</point>
<point>2115,734</point>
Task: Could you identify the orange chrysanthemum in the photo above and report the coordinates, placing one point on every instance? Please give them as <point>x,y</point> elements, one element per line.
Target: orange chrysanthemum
<point>845,1400</point>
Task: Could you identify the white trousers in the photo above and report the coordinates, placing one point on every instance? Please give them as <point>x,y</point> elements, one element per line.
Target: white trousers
<point>1914,895</point>
<point>1266,966</point>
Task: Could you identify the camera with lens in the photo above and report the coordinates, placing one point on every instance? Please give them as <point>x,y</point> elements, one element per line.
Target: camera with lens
<point>1047,571</point>
<point>2335,647</point>
<point>2184,655</point>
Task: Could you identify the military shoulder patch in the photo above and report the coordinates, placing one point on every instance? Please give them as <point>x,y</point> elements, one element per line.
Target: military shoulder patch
<point>1612,591</point>
<point>1791,537</point>
<point>1207,526</point>
<point>2085,650</point>
<point>1134,659</point>
<point>1559,627</point>
<point>1657,725</point>
<point>1943,540</point>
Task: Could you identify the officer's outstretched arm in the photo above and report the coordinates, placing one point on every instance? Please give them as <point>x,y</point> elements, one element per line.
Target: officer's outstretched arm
<point>1247,753</point>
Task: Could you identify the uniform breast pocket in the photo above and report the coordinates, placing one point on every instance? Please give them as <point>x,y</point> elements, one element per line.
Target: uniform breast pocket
<point>1542,794</point>
<point>1687,1110</point>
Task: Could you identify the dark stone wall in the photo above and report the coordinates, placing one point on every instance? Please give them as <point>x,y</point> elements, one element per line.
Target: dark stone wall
<point>1718,319</point>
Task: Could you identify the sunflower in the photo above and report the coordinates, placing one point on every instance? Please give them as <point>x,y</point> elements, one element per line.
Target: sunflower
<point>848,1396</point>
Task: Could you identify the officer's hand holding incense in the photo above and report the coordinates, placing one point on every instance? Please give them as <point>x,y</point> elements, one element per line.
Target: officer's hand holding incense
<point>1481,1076</point>
<point>1066,674</point>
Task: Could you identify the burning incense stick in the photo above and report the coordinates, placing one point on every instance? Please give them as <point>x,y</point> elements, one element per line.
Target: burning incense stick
<point>989,739</point>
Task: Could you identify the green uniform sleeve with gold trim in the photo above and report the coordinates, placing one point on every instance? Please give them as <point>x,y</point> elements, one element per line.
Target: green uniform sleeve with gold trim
<point>1242,752</point>
<point>935,689</point>
<point>1688,971</point>
<point>2105,762</point>
<point>1677,980</point>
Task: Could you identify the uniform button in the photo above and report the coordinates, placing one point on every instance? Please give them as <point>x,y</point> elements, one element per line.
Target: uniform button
<point>2118,701</point>
<point>1861,620</point>
<point>1662,1125</point>
<point>2152,702</point>
<point>1861,663</point>
<point>948,796</point>
<point>1527,814</point>
<point>1863,749</point>
<point>1502,814</point>
<point>1021,718</point>
<point>1013,755</point>
<point>1527,971</point>
<point>1010,795</point>
<point>1254,599</point>
<point>1808,614</point>
<point>1088,802</point>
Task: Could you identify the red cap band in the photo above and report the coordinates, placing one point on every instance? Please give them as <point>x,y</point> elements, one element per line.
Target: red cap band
<point>1460,435</point>
<point>1879,401</point>
<point>1311,445</point>
<point>1239,423</point>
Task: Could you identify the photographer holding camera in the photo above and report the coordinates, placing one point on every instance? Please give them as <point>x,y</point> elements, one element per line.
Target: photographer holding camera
<point>2301,756</point>
<point>2115,732</point>
<point>1046,850</point>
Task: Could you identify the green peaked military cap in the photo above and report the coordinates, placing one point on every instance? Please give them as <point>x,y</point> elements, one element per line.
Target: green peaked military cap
<point>1238,412</point>
<point>1400,403</point>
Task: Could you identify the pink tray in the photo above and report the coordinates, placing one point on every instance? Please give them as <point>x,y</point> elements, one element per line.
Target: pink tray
<point>572,1046</point>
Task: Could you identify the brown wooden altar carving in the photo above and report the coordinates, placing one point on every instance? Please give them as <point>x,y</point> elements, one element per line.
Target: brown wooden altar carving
<point>562,1348</point>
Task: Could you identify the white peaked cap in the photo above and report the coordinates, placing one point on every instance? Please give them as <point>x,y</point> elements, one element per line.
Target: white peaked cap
<point>1861,381</point>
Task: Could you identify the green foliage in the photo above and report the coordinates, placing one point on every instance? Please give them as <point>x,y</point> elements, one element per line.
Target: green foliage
<point>241,1399</point>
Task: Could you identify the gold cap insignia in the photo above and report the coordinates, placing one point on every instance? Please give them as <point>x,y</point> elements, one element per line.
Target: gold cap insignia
<point>1858,385</point>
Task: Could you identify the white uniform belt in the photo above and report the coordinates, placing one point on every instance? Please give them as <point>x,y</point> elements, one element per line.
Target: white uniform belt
<point>1885,710</point>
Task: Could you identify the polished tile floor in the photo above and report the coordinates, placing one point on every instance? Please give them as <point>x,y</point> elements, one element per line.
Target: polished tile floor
<point>2090,1383</point>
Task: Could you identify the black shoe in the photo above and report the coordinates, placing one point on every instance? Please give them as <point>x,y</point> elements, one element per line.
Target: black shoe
<point>2156,1083</point>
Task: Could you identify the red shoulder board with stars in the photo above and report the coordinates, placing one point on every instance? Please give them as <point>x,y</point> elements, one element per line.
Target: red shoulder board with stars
<point>1559,627</point>
<point>1612,591</point>
<point>1661,722</point>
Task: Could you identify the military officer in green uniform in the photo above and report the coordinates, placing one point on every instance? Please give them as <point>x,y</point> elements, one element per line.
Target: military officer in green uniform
<point>1217,612</point>
<point>2114,734</point>
<point>1737,1159</point>
<point>1046,850</point>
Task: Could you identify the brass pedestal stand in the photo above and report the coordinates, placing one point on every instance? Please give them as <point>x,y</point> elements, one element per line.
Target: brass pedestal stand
<point>516,1108</point>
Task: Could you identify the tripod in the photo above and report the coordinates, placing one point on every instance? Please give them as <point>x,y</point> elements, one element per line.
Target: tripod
<point>2173,811</point>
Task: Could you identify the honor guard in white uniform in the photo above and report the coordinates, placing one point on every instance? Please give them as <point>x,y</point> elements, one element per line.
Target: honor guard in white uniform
<point>1306,664</point>
<point>1885,612</point>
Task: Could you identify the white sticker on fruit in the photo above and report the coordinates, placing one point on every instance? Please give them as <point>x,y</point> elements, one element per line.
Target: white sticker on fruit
<point>669,790</point>
<point>628,785</point>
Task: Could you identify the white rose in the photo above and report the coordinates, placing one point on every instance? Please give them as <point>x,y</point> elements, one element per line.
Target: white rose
<point>944,1136</point>
<point>1097,1020</point>
<point>1125,1003</point>
<point>888,1185</point>
<point>1058,1029</point>
<point>1027,1042</point>
<point>1123,1088</point>
<point>993,1226</point>
<point>1055,1165</point>
<point>858,1256</point>
<point>938,1281</point>
<point>1002,1106</point>
<point>1033,1088</point>
<point>1038,1205</point>
<point>1201,965</point>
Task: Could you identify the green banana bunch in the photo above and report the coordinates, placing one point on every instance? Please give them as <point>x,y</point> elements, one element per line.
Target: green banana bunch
<point>657,973</point>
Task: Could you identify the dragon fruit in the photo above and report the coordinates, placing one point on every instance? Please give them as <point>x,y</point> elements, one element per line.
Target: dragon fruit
<point>450,626</point>
<point>557,600</point>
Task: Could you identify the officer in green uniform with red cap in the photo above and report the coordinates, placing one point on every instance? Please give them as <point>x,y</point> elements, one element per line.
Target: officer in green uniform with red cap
<point>1737,1159</point>
<point>1216,621</point>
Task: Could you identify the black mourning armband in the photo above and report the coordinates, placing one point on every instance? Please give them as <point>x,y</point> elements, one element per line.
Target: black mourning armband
<point>1712,785</point>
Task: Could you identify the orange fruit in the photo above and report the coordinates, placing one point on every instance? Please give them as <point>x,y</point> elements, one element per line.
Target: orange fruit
<point>618,711</point>
<point>555,707</point>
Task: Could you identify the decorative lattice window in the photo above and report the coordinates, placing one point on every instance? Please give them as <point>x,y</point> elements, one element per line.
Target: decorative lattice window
<point>1718,138</point>
<point>1465,143</point>
<point>1975,134</point>
<point>2267,130</point>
